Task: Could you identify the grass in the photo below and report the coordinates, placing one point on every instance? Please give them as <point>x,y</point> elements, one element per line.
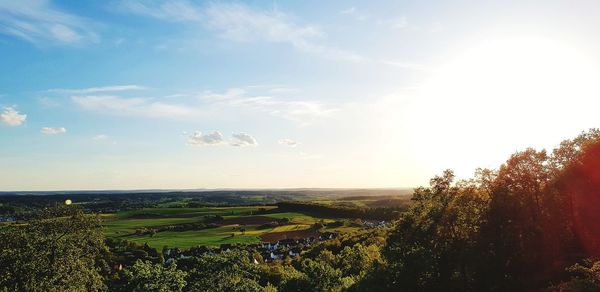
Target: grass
<point>295,217</point>
<point>128,226</point>
<point>123,225</point>
<point>351,203</point>
<point>186,239</point>
<point>212,237</point>
<point>191,212</point>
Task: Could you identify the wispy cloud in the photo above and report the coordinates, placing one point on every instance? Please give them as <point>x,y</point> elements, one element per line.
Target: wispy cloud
<point>132,106</point>
<point>38,22</point>
<point>48,102</point>
<point>10,116</point>
<point>243,24</point>
<point>112,88</point>
<point>288,142</point>
<point>100,137</point>
<point>53,130</point>
<point>256,98</point>
<point>399,22</point>
<point>406,65</point>
<point>177,10</point>
<point>352,11</point>
<point>240,23</point>
<point>300,111</point>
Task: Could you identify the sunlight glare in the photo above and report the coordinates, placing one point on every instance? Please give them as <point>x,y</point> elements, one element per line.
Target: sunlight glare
<point>499,97</point>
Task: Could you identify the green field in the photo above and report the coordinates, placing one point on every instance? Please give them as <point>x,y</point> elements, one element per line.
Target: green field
<point>195,212</point>
<point>123,225</point>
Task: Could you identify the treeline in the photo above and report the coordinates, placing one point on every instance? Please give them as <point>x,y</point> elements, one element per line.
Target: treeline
<point>522,227</point>
<point>334,211</point>
<point>22,203</point>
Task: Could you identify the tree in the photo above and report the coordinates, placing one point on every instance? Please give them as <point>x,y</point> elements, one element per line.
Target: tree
<point>321,276</point>
<point>580,182</point>
<point>230,271</point>
<point>586,277</point>
<point>357,260</point>
<point>146,276</point>
<point>431,247</point>
<point>58,250</point>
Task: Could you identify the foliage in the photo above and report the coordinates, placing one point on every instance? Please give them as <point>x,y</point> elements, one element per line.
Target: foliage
<point>341,211</point>
<point>586,278</point>
<point>227,271</point>
<point>146,276</point>
<point>510,229</point>
<point>59,250</point>
<point>431,246</point>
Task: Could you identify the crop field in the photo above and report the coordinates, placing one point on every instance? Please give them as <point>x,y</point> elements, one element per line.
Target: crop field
<point>236,225</point>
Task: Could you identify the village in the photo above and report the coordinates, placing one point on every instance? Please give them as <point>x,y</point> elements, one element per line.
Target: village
<point>269,251</point>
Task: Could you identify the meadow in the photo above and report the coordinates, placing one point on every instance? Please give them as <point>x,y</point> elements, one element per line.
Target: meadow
<point>236,225</point>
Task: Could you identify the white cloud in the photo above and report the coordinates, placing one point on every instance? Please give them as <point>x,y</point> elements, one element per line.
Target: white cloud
<point>177,10</point>
<point>355,13</point>
<point>53,131</point>
<point>112,88</point>
<point>303,112</point>
<point>36,21</point>
<point>12,117</point>
<point>350,10</point>
<point>300,111</point>
<point>48,102</point>
<point>436,27</point>
<point>132,106</point>
<point>243,140</point>
<point>400,22</point>
<point>100,137</point>
<point>198,105</point>
<point>288,142</point>
<point>199,139</point>
<point>64,33</point>
<point>240,23</point>
<point>405,65</point>
<point>216,139</point>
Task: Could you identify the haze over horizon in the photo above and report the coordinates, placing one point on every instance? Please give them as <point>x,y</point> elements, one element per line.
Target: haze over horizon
<point>249,94</point>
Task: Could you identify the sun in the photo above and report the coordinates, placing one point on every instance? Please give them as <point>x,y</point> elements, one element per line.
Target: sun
<point>500,96</point>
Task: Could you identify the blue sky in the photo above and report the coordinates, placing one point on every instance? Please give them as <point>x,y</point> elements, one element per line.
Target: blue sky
<point>275,94</point>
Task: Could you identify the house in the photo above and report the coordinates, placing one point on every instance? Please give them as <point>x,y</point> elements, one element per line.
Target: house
<point>273,256</point>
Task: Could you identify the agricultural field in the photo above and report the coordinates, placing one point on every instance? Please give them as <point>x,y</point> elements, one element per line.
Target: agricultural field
<point>367,201</point>
<point>213,226</point>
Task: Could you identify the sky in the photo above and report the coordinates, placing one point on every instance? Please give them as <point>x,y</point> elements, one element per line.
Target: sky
<point>286,94</point>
